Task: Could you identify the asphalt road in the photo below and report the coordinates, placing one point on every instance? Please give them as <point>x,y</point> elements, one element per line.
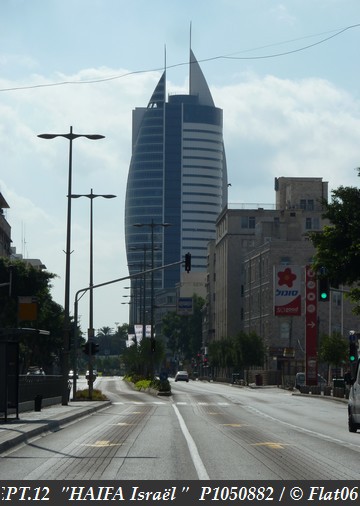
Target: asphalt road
<point>203,431</point>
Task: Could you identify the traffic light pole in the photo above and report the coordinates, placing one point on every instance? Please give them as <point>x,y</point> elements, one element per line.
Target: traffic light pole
<point>82,291</point>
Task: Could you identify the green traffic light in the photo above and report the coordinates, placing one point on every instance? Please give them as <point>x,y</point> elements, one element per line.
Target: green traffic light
<point>323,295</point>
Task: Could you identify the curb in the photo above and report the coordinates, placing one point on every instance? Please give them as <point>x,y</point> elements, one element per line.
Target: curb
<point>48,426</point>
<point>326,397</point>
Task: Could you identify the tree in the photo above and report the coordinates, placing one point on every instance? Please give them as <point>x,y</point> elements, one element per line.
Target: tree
<point>110,342</point>
<point>236,353</point>
<point>28,281</point>
<point>338,244</point>
<point>139,359</point>
<point>184,333</point>
<point>252,348</point>
<point>333,349</point>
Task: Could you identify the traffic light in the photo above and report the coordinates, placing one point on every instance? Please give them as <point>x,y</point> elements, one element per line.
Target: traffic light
<point>94,348</point>
<point>86,348</point>
<point>353,352</point>
<point>324,289</point>
<point>188,262</point>
<point>90,348</point>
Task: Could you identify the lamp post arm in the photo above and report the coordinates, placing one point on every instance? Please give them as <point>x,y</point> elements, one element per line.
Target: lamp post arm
<point>84,290</point>
<point>131,276</point>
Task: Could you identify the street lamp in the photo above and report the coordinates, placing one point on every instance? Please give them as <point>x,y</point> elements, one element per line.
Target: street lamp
<point>90,196</point>
<point>66,330</point>
<point>152,225</point>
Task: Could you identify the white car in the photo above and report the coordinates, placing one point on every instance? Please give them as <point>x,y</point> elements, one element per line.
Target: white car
<point>182,376</point>
<point>354,402</point>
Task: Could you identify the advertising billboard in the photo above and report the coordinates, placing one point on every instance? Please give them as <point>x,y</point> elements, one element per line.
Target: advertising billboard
<point>287,290</point>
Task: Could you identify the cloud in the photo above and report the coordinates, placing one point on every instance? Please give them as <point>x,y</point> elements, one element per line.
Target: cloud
<point>277,127</point>
<point>272,127</point>
<point>282,14</point>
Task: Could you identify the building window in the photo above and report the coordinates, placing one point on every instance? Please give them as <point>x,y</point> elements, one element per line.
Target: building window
<point>248,222</point>
<point>285,330</point>
<point>336,298</point>
<point>312,223</point>
<point>308,224</point>
<point>307,205</point>
<point>316,224</point>
<point>285,261</point>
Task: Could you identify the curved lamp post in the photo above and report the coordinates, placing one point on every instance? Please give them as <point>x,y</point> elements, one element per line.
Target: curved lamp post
<point>66,338</point>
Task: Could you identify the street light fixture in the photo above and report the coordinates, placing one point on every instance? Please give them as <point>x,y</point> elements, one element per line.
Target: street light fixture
<point>152,225</point>
<point>66,329</point>
<point>90,196</point>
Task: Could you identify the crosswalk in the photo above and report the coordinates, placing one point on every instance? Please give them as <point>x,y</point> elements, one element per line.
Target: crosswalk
<point>162,403</point>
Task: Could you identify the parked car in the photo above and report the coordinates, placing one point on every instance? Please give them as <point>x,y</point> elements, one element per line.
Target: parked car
<point>354,402</point>
<point>72,374</point>
<point>35,370</point>
<point>182,376</point>
<point>300,380</point>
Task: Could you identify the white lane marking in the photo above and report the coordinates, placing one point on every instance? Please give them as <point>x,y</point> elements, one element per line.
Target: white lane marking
<point>198,463</point>
<point>301,429</point>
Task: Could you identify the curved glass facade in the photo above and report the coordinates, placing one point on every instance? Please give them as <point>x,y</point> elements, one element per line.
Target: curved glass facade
<point>177,184</point>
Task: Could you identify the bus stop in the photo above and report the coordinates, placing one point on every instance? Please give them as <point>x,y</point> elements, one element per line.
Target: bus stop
<point>9,368</point>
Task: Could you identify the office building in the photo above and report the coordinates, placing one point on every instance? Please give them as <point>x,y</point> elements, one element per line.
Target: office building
<point>251,246</point>
<point>5,229</point>
<point>176,187</point>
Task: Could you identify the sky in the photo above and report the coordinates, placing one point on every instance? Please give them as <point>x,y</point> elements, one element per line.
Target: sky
<point>286,74</point>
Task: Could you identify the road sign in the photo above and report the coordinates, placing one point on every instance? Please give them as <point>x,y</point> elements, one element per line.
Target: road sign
<point>185,306</point>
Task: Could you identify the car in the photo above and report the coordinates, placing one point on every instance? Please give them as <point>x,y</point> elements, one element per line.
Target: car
<point>300,380</point>
<point>182,376</point>
<point>35,370</point>
<point>72,374</point>
<point>354,401</point>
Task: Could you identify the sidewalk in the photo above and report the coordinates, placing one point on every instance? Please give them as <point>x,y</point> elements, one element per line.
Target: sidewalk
<point>50,419</point>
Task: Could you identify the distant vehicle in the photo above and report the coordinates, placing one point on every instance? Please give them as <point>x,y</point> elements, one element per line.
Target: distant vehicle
<point>300,380</point>
<point>354,402</point>
<point>182,376</point>
<point>72,374</point>
<point>35,370</point>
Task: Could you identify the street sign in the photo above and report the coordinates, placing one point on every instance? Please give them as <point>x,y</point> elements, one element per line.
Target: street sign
<point>185,306</point>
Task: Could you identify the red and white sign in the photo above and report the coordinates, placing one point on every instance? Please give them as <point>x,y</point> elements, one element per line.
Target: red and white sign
<point>287,290</point>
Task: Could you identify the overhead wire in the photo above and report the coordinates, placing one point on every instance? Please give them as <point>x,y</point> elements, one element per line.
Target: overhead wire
<point>213,58</point>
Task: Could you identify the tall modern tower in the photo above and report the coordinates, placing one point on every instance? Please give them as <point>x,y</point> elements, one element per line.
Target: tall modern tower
<point>177,183</point>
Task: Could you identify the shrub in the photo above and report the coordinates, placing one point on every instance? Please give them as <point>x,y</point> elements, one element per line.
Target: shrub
<point>97,395</point>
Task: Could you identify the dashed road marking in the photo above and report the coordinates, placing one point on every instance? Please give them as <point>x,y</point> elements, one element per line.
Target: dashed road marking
<point>271,444</point>
<point>102,444</point>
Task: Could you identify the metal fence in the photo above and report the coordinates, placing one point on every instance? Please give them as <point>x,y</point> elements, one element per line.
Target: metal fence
<point>31,386</point>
